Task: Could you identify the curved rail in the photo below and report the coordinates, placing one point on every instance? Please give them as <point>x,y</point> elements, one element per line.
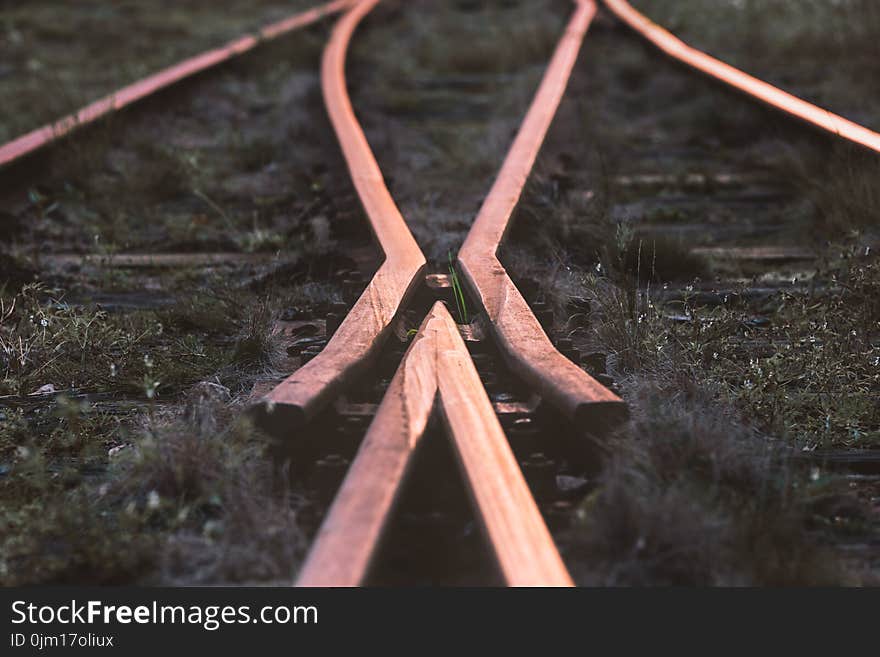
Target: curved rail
<point>362,332</point>
<point>40,137</point>
<point>749,85</point>
<point>436,371</point>
<point>521,340</point>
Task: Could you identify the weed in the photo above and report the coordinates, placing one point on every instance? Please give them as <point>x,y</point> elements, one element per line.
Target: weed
<point>212,487</point>
<point>808,375</point>
<point>257,347</point>
<point>458,292</point>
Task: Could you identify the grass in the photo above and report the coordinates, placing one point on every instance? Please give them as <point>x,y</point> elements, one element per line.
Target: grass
<point>807,376</point>
<point>486,46</point>
<point>191,500</point>
<point>703,486</point>
<point>443,104</point>
<point>458,292</point>
<point>165,483</point>
<point>157,473</point>
<point>44,340</point>
<point>139,469</point>
<point>178,470</point>
<point>805,34</point>
<point>788,43</point>
<point>203,475</point>
<point>48,71</point>
<point>700,488</point>
<point>190,175</point>
<point>256,346</point>
<point>692,496</point>
<point>842,191</point>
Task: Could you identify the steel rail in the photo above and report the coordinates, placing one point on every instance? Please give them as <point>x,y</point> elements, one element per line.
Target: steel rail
<point>523,343</point>
<point>749,85</point>
<point>436,372</point>
<point>40,137</point>
<point>361,334</point>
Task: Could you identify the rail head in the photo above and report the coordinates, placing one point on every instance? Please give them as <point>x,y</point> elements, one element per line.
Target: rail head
<point>436,373</point>
<point>515,532</point>
<point>523,343</point>
<point>529,352</point>
<point>348,539</point>
<point>357,340</point>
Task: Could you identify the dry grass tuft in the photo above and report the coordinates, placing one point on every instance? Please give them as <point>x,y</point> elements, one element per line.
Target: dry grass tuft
<point>691,496</point>
<point>204,476</point>
<point>257,345</point>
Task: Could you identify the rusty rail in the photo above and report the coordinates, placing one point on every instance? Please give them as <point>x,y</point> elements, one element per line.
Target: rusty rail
<point>747,84</point>
<point>436,371</point>
<point>362,332</point>
<point>525,346</point>
<point>40,137</point>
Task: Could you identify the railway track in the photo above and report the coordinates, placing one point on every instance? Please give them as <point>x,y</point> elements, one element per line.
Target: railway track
<point>494,385</point>
<point>43,136</point>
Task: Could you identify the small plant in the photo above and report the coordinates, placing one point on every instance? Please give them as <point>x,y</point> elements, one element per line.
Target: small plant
<point>458,292</point>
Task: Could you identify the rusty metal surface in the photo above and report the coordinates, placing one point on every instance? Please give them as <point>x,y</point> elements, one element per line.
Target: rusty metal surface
<point>751,86</point>
<point>362,332</point>
<point>523,343</point>
<point>40,137</point>
<point>515,531</point>
<point>437,373</point>
<point>436,368</point>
